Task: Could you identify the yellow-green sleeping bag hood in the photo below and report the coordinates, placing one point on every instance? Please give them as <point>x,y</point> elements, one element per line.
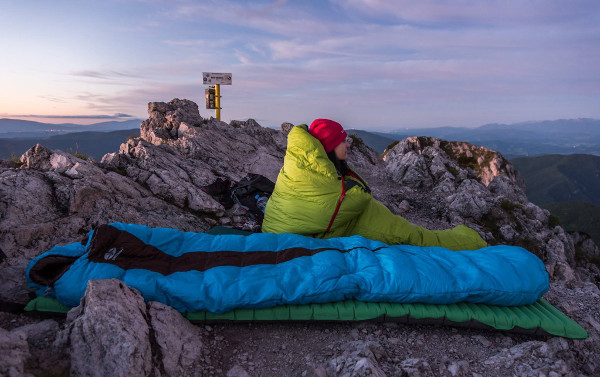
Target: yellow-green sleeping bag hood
<point>309,188</point>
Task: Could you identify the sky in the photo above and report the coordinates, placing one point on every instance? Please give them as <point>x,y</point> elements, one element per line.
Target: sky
<point>369,64</point>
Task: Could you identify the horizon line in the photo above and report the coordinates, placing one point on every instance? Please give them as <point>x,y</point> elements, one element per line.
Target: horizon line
<point>118,118</point>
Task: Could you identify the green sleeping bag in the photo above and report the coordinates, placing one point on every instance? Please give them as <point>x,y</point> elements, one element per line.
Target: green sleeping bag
<point>309,188</point>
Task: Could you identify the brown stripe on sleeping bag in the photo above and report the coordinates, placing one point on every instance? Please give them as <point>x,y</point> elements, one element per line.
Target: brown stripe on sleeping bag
<point>48,270</point>
<point>121,248</point>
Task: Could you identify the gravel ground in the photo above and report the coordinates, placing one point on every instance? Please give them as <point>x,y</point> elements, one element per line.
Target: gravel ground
<point>325,349</point>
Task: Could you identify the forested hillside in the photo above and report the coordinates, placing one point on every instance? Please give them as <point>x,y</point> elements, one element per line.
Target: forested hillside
<point>561,178</point>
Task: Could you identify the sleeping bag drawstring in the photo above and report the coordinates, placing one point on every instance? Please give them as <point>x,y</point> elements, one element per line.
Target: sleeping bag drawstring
<point>337,208</point>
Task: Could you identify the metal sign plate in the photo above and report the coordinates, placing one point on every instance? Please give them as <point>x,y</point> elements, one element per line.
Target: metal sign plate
<point>213,78</point>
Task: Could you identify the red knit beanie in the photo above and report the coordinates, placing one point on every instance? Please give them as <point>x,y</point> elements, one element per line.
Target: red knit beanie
<point>328,132</point>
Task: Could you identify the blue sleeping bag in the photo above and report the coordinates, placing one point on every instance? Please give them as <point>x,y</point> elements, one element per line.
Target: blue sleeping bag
<point>218,273</point>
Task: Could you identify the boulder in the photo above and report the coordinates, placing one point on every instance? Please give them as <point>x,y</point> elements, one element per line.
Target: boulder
<point>108,333</point>
<point>124,336</point>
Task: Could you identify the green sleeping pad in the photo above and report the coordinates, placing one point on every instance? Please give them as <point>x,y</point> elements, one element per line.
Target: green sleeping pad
<point>540,318</point>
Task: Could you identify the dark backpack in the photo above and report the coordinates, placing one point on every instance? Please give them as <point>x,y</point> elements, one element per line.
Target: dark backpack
<point>247,192</point>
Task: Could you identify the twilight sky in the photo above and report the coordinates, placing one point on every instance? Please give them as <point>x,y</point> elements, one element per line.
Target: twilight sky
<point>370,64</point>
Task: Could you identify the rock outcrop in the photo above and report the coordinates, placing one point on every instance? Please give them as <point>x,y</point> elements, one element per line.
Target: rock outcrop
<point>178,153</point>
<point>115,333</point>
<point>478,186</point>
<point>158,179</point>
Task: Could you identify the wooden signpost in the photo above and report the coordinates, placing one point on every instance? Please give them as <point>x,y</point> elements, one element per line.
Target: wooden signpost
<point>213,94</point>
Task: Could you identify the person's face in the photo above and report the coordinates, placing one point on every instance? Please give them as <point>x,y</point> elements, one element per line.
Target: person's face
<point>342,149</point>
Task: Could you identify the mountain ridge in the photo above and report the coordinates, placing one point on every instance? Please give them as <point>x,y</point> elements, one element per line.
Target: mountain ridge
<point>18,128</point>
<point>571,136</point>
<point>92,143</point>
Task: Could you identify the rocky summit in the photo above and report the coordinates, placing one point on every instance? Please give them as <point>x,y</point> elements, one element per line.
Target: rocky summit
<point>159,179</point>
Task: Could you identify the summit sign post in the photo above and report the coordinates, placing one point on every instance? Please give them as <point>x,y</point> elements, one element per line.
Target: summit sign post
<point>212,78</point>
<point>213,96</point>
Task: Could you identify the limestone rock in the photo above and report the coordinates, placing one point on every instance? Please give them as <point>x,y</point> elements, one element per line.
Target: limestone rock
<point>371,168</point>
<point>36,332</point>
<point>178,341</point>
<point>109,327</point>
<point>179,153</point>
<point>533,358</point>
<point>165,119</point>
<point>471,200</point>
<point>15,352</point>
<point>486,163</point>
<point>587,248</point>
<point>38,157</point>
<point>13,287</point>
<point>115,328</point>
<point>458,368</point>
<point>480,188</point>
<point>286,127</point>
<point>411,170</point>
<point>416,367</point>
<point>357,359</point>
<point>46,202</point>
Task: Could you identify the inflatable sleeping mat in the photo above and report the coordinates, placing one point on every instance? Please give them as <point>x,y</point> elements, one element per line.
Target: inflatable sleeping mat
<point>216,276</point>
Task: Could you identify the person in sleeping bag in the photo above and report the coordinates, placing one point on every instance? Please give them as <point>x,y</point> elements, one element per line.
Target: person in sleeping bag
<point>317,194</point>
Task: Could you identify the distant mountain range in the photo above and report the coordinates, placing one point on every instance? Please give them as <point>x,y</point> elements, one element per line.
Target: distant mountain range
<point>16,128</point>
<point>92,144</point>
<point>570,136</point>
<point>94,140</point>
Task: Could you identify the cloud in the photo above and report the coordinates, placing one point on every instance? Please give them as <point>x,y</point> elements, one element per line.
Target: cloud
<point>52,98</point>
<point>135,100</point>
<point>105,75</point>
<point>203,45</point>
<point>277,18</point>
<point>189,42</point>
<point>287,49</point>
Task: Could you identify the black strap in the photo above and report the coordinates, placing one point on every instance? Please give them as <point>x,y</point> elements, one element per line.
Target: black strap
<point>351,182</point>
